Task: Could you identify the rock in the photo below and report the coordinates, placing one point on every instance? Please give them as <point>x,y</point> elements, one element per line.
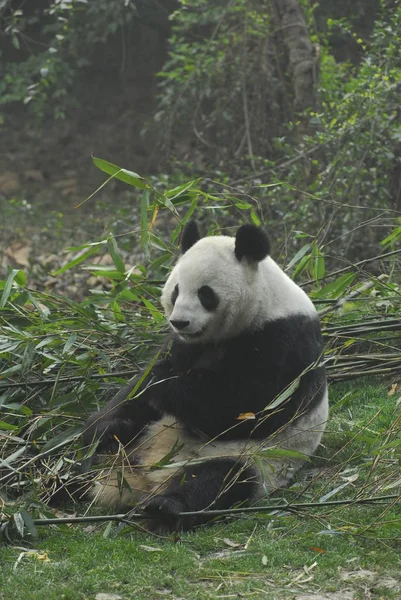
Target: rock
<point>9,183</point>
<point>67,187</point>
<point>33,175</point>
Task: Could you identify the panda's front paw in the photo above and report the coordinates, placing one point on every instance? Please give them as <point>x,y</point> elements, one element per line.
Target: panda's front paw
<point>164,513</point>
<point>109,433</point>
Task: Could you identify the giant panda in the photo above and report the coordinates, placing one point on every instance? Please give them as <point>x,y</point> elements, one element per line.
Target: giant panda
<point>237,399</point>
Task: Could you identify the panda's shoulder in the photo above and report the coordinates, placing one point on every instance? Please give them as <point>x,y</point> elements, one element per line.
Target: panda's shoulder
<point>278,331</point>
<point>296,336</point>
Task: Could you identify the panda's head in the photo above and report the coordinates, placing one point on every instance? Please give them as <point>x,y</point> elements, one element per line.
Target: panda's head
<point>214,291</point>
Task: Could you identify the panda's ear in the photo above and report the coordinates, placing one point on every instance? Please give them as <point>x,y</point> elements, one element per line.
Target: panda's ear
<point>252,243</point>
<point>189,236</point>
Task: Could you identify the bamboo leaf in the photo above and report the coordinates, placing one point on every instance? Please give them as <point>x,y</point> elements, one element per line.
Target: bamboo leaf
<point>144,222</point>
<point>284,395</point>
<point>7,426</point>
<point>129,177</point>
<point>156,314</point>
<point>180,189</point>
<point>69,343</point>
<point>19,523</point>
<point>282,453</point>
<point>8,287</point>
<point>115,255</point>
<point>300,254</point>
<point>337,287</point>
<point>28,522</point>
<point>77,260</point>
<point>302,264</point>
<point>66,436</point>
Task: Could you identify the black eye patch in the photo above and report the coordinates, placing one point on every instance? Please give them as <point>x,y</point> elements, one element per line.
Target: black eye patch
<point>174,295</point>
<point>208,297</point>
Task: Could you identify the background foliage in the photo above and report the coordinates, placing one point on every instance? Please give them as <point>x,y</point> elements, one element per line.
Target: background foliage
<point>223,106</point>
<point>198,96</point>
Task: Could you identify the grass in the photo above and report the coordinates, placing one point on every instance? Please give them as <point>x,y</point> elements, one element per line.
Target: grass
<point>342,552</point>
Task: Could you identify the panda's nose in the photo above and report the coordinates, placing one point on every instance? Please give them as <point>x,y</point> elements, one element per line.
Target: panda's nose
<point>179,324</point>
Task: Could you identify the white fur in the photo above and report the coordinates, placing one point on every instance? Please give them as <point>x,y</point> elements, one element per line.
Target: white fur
<point>251,293</point>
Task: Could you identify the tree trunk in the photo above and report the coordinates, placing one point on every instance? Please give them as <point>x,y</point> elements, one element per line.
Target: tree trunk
<point>302,63</point>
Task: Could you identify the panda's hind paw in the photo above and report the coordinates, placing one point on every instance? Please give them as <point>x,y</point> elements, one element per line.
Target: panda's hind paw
<point>164,513</point>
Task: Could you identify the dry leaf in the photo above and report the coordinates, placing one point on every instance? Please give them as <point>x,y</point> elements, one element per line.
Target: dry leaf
<point>19,253</point>
<point>317,549</point>
<point>246,415</point>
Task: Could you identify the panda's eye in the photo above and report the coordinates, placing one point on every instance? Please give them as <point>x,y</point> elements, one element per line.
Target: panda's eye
<point>208,297</point>
<point>174,295</point>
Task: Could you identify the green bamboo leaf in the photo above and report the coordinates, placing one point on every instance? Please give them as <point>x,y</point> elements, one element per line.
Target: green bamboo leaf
<point>303,263</point>
<point>180,189</point>
<point>254,218</point>
<point>337,287</point>
<point>122,174</point>
<point>144,222</point>
<point>392,238</point>
<point>156,314</point>
<point>48,340</point>
<point>127,296</point>
<point>172,453</point>
<point>282,453</point>
<point>9,346</point>
<point>300,254</point>
<point>62,438</point>
<point>77,260</point>
<point>69,343</point>
<point>143,377</point>
<point>11,371</point>
<point>284,395</point>
<point>86,245</point>
<point>8,287</point>
<point>117,312</point>
<point>318,266</point>
<point>105,272</point>
<point>20,278</point>
<point>115,255</point>
<point>7,426</point>
<point>6,462</point>
<point>44,311</point>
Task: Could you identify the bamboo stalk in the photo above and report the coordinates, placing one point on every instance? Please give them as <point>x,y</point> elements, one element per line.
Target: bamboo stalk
<point>127,517</point>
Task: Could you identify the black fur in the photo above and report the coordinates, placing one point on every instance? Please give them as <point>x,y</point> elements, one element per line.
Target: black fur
<point>208,297</point>
<point>189,236</point>
<point>216,383</point>
<point>117,423</point>
<point>174,295</point>
<point>251,242</point>
<point>215,485</point>
<point>207,387</point>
